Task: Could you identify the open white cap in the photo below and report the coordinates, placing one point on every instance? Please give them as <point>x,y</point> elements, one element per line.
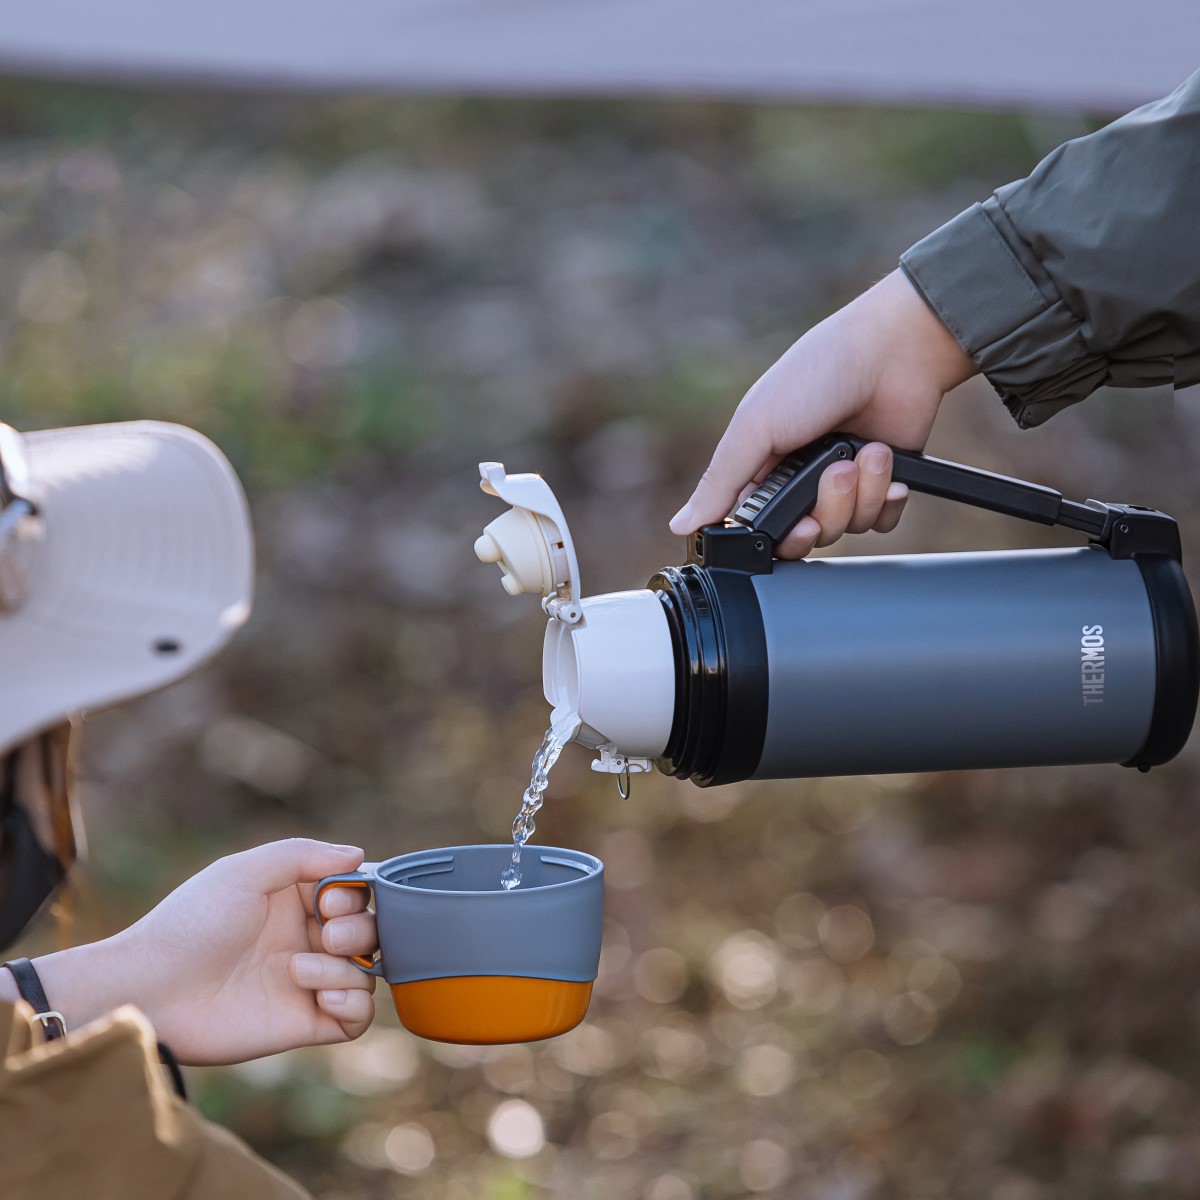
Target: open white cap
<point>608,665</point>
<point>144,568</point>
<point>530,542</point>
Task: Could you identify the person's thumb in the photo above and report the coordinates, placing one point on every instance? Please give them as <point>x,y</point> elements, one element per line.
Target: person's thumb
<point>278,865</point>
<point>740,455</point>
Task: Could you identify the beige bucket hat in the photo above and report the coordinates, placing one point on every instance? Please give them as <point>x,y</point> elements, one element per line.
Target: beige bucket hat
<point>138,565</point>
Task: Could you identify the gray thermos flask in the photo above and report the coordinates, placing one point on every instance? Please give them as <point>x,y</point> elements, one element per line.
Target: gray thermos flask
<point>736,665</point>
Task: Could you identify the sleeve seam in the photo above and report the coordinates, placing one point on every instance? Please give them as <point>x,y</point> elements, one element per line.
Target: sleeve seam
<point>976,282</point>
<point>1030,287</point>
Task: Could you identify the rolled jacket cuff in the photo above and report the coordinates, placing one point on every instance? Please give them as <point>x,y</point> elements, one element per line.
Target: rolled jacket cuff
<point>1006,313</point>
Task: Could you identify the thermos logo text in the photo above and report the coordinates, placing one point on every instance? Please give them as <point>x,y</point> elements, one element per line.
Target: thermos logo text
<point>1091,649</point>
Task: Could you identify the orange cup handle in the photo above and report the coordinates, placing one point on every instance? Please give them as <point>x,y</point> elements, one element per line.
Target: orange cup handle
<point>352,879</point>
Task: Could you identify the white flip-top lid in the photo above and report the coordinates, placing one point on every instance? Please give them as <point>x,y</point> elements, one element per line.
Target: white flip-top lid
<point>531,542</point>
<point>608,666</point>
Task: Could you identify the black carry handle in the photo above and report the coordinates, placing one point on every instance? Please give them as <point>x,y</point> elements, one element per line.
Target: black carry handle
<point>790,493</point>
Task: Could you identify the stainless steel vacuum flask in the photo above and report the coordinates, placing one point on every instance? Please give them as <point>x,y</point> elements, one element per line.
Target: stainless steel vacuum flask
<point>736,665</point>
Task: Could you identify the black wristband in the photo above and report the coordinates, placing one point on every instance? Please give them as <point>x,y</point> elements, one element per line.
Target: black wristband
<point>30,988</point>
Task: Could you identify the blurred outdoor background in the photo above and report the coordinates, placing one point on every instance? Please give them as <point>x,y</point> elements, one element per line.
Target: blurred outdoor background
<point>980,984</point>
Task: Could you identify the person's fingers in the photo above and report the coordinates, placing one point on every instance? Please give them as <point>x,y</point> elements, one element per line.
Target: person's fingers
<point>354,1010</point>
<point>893,508</point>
<point>320,971</point>
<point>835,501</point>
<point>874,475</point>
<point>278,865</point>
<point>771,463</point>
<point>348,901</point>
<point>342,901</point>
<point>800,541</point>
<point>355,934</point>
<point>739,456</point>
<point>335,902</point>
<point>803,538</point>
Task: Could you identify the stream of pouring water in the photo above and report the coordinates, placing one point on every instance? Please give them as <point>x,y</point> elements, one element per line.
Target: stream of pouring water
<point>523,827</point>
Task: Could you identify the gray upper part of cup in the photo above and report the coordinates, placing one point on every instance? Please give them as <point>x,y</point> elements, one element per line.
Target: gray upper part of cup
<point>443,913</point>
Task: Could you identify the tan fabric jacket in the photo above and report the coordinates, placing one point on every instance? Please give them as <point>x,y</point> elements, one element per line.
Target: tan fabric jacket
<point>94,1117</point>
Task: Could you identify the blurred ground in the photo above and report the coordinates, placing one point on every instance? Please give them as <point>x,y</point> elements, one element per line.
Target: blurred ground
<point>919,987</point>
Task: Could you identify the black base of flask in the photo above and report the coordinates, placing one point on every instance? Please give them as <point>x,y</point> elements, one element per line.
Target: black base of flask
<point>1177,660</point>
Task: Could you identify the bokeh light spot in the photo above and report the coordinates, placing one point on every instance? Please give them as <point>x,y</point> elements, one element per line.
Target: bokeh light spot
<point>846,933</point>
<point>764,1070</point>
<point>764,1165</point>
<point>409,1148</point>
<point>613,1135</point>
<point>660,975</point>
<point>816,987</point>
<point>745,967</point>
<point>379,1061</point>
<point>586,1050</point>
<point>909,1018</point>
<point>669,1187</point>
<point>674,1053</point>
<point>515,1130</point>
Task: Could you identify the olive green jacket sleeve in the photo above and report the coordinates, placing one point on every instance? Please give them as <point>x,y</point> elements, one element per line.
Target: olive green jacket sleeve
<point>1087,272</point>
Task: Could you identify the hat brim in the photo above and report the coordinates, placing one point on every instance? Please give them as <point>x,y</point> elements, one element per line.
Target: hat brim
<point>144,570</point>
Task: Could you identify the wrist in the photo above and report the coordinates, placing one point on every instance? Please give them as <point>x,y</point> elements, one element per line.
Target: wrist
<point>85,982</point>
<point>917,339</point>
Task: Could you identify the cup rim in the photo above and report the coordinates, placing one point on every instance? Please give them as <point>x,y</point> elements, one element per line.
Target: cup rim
<point>582,857</point>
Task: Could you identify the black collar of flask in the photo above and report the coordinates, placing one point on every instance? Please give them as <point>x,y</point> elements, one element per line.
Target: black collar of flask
<point>721,675</point>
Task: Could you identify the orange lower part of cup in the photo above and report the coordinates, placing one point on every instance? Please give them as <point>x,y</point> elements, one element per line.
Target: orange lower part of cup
<point>488,1010</point>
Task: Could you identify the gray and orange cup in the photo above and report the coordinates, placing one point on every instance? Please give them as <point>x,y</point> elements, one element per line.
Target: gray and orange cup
<point>469,962</point>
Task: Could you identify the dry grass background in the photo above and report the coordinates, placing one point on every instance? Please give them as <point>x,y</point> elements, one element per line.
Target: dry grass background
<point>918,987</point>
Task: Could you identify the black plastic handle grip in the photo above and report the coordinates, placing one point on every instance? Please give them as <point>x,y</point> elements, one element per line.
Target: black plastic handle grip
<point>790,491</point>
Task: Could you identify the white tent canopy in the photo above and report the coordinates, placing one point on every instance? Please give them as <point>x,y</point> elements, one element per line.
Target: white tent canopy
<point>1070,55</point>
